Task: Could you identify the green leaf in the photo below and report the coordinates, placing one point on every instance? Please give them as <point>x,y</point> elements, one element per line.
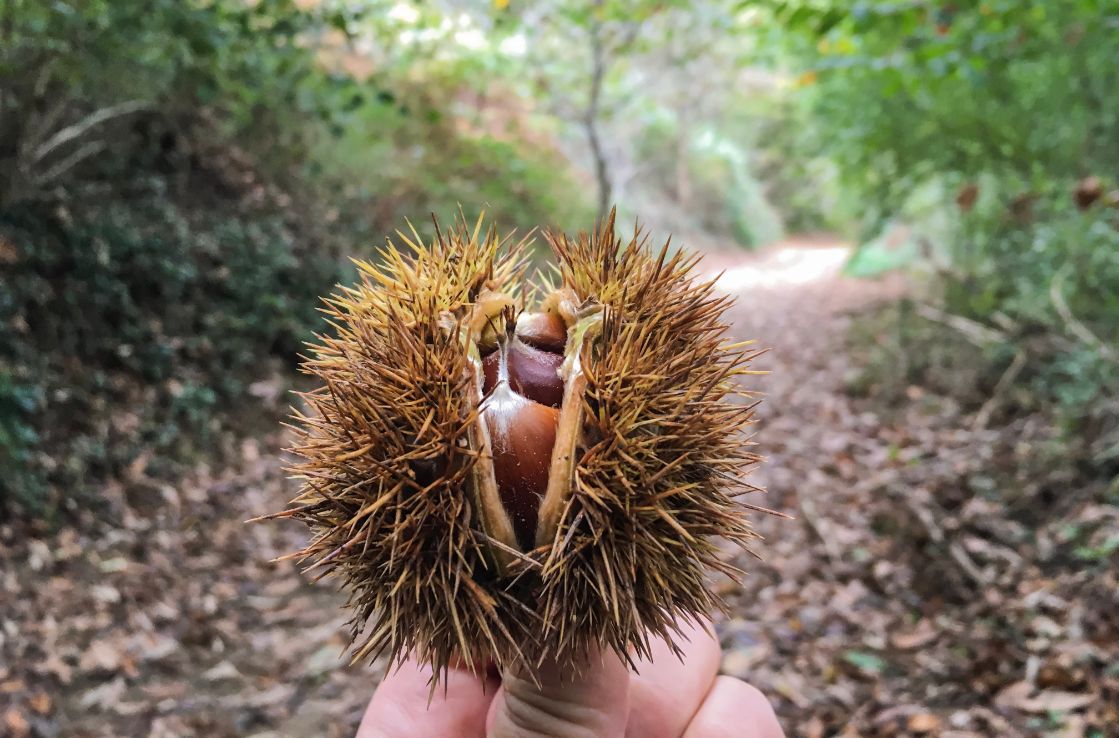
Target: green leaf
<point>877,257</point>
<point>1098,553</point>
<point>864,661</point>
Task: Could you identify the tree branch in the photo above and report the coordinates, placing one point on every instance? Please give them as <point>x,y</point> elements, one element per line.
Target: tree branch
<point>79,129</point>
<point>590,118</point>
<point>1075,327</point>
<point>976,333</point>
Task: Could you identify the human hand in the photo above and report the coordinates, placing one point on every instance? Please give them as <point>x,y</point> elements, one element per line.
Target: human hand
<point>667,698</point>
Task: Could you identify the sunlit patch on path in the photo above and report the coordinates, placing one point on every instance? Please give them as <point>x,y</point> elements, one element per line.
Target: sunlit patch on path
<point>786,264</point>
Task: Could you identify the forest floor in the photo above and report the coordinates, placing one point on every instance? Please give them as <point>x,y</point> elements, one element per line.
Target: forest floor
<point>906,597</point>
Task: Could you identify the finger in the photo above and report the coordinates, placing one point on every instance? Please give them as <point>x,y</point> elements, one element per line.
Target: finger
<point>592,703</point>
<point>400,706</point>
<point>734,709</point>
<point>666,692</point>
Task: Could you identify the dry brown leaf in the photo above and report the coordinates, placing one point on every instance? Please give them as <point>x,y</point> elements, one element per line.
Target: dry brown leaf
<point>11,686</point>
<point>274,695</point>
<point>224,670</point>
<point>1021,696</point>
<point>16,724</point>
<point>136,469</point>
<point>152,646</point>
<point>114,565</point>
<point>40,702</point>
<point>922,723</point>
<point>1060,701</point>
<point>789,686</point>
<point>924,634</point>
<point>100,656</point>
<point>105,593</point>
<point>9,254</point>
<point>105,696</point>
<point>268,390</point>
<point>814,728</point>
<point>53,664</point>
<point>739,662</point>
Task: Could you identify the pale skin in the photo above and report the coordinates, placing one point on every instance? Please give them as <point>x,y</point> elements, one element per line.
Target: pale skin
<point>666,698</point>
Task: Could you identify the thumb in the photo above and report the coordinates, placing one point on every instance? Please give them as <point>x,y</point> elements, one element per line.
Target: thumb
<point>591,702</point>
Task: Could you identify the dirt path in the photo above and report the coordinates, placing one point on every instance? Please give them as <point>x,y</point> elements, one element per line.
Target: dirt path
<point>174,623</point>
<point>929,585</point>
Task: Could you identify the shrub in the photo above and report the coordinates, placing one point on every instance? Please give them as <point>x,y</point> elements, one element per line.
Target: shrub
<point>178,184</point>
<point>981,125</point>
<point>140,327</point>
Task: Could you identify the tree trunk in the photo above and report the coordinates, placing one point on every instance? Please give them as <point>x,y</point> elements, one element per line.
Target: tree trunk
<point>590,119</point>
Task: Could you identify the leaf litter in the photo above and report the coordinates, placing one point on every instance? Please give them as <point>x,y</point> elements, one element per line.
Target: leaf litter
<point>939,579</point>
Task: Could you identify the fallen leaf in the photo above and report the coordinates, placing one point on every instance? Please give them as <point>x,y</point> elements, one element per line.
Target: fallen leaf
<point>224,670</point>
<point>789,686</point>
<point>739,662</point>
<point>100,656</point>
<point>138,466</point>
<point>153,646</point>
<point>9,254</point>
<point>105,593</point>
<point>814,728</point>
<point>274,695</point>
<point>40,702</point>
<point>38,555</point>
<point>1020,696</point>
<point>53,664</point>
<point>967,196</point>
<point>864,661</point>
<point>16,723</point>
<point>111,566</point>
<point>268,390</point>
<point>922,635</point>
<point>923,722</point>
<point>323,660</point>
<point>105,696</point>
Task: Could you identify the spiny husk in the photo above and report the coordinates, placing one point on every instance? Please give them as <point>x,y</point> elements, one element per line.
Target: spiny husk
<point>392,453</point>
<point>663,451</point>
<point>386,460</point>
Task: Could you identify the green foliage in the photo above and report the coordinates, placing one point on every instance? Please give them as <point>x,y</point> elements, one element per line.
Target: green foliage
<point>126,135</point>
<point>178,184</point>
<point>22,481</point>
<point>866,662</point>
<point>910,91</point>
<point>879,256</point>
<point>1101,552</point>
<point>874,99</point>
<point>404,155</point>
<point>989,129</point>
<point>712,181</point>
<point>159,159</point>
<point>881,75</point>
<point>1027,268</point>
<point>138,328</point>
<point>75,76</point>
<point>791,158</point>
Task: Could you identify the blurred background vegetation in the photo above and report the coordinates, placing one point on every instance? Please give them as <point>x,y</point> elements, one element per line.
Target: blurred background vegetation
<point>181,179</point>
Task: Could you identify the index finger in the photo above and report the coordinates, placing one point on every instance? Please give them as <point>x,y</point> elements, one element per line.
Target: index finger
<point>400,707</point>
<point>666,691</point>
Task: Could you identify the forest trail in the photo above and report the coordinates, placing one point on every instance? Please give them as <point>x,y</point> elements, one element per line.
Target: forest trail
<point>182,626</point>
